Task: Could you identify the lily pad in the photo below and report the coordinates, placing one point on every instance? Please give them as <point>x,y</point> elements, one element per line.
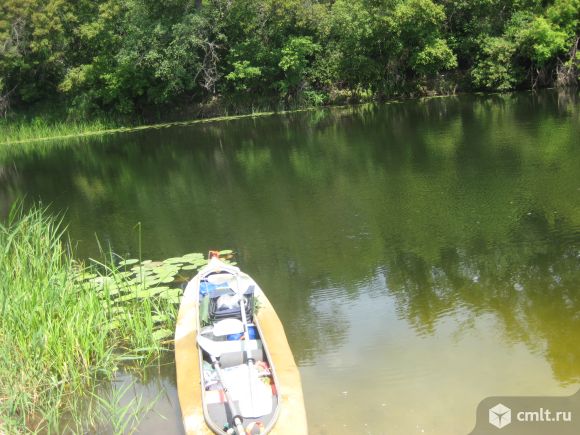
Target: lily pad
<point>161,334</point>
<point>117,310</point>
<point>173,299</point>
<point>100,282</point>
<point>150,280</point>
<point>131,288</point>
<point>159,318</point>
<point>171,293</point>
<point>122,275</point>
<point>128,297</point>
<point>143,293</point>
<point>198,262</point>
<point>166,273</point>
<point>153,264</point>
<point>174,260</point>
<point>140,278</point>
<point>166,268</point>
<point>153,291</point>
<point>85,276</point>
<point>128,262</point>
<point>110,290</point>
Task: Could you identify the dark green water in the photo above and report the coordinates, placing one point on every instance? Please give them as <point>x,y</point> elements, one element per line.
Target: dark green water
<point>421,255</point>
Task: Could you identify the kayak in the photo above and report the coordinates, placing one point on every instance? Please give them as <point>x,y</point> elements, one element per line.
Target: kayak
<point>235,371</point>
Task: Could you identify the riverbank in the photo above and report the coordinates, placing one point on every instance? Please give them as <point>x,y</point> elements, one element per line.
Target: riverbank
<point>35,130</point>
<point>41,124</point>
<point>27,133</point>
<point>147,60</point>
<point>20,130</point>
<point>67,326</point>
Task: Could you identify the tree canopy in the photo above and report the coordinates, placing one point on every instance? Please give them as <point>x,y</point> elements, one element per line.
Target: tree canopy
<point>128,56</point>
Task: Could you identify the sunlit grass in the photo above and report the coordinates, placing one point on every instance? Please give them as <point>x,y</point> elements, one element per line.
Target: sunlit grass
<point>26,133</point>
<point>23,130</point>
<point>29,133</point>
<point>62,334</point>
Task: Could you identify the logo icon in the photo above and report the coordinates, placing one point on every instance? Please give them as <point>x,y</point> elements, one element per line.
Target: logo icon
<point>500,416</point>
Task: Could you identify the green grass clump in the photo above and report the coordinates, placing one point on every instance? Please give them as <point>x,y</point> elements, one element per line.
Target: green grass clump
<point>22,130</point>
<point>65,327</point>
<point>53,336</point>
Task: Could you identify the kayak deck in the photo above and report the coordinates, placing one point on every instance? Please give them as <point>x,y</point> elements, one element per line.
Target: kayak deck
<point>287,411</point>
<point>260,408</point>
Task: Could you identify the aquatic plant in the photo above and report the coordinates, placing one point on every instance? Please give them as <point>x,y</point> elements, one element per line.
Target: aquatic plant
<point>67,325</point>
<point>22,130</point>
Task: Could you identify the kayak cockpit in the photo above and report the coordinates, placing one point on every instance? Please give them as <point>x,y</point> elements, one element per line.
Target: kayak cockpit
<point>239,385</point>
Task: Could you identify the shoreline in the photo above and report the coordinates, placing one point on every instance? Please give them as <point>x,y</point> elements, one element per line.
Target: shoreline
<point>146,126</point>
<point>169,124</point>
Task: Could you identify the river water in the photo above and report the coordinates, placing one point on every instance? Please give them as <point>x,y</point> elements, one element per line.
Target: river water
<point>421,255</point>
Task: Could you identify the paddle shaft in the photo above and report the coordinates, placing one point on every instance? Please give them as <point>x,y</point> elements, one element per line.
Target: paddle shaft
<point>245,340</point>
<point>231,404</point>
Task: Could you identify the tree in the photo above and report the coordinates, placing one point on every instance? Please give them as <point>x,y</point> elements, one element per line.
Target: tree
<point>419,26</point>
<point>566,15</point>
<point>144,53</point>
<point>135,56</point>
<point>494,68</point>
<point>296,54</point>
<point>528,43</point>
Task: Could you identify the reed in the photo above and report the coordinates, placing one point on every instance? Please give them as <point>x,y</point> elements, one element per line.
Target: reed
<point>46,323</point>
<point>23,129</point>
<point>26,134</point>
<point>66,326</point>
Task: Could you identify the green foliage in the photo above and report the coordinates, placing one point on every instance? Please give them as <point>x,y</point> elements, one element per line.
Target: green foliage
<point>154,57</point>
<point>494,69</point>
<point>352,26</point>
<point>243,75</point>
<point>315,98</point>
<point>546,41</point>
<point>418,20</point>
<point>528,42</point>
<point>135,56</point>
<point>566,15</point>
<point>25,128</point>
<point>434,57</point>
<point>296,53</point>
<point>64,325</point>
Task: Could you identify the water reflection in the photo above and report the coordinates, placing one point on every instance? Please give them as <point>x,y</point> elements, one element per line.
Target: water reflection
<point>408,231</point>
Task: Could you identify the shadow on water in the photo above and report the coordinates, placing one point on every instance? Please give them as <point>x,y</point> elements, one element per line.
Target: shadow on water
<point>447,209</point>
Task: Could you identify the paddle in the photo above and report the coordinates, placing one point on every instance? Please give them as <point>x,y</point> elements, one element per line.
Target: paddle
<point>260,402</point>
<point>255,397</point>
<point>214,352</point>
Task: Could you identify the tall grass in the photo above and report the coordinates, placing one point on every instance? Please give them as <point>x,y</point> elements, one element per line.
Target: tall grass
<point>21,130</point>
<point>61,335</point>
<point>32,131</point>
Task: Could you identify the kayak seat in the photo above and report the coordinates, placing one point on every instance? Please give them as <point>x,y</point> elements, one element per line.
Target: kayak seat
<point>236,355</point>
